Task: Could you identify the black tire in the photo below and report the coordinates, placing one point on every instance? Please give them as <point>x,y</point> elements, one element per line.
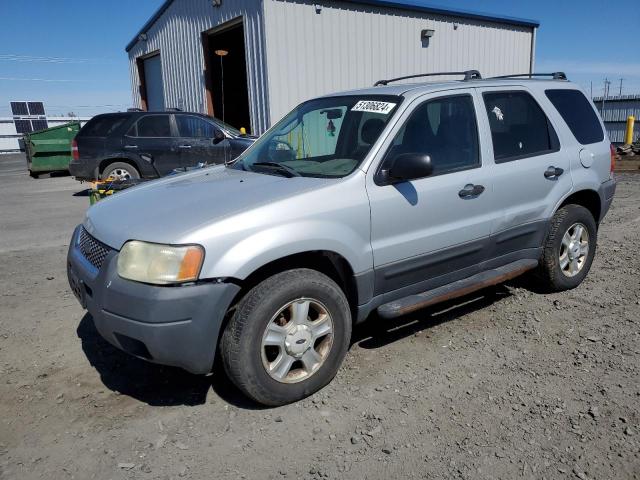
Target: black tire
<point>550,270</point>
<point>241,344</point>
<point>33,174</point>
<point>132,172</point>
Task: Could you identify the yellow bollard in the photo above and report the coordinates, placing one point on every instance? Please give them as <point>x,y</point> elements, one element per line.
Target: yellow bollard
<point>628,138</point>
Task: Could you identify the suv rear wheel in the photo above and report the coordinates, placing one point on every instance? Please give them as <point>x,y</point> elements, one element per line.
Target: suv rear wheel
<point>569,248</point>
<point>287,337</point>
<point>120,171</point>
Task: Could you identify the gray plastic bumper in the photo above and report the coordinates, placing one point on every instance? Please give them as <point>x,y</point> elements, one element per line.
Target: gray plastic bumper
<point>176,326</point>
<point>606,192</point>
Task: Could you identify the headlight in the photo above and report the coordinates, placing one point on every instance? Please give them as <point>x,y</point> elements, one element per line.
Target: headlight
<point>160,264</point>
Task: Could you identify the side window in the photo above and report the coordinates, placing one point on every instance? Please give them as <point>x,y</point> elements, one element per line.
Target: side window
<point>194,127</point>
<point>152,126</point>
<point>445,129</point>
<point>103,126</point>
<point>578,113</point>
<point>519,127</point>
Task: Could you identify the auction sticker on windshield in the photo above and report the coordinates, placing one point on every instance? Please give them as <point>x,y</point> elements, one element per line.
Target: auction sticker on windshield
<point>373,107</point>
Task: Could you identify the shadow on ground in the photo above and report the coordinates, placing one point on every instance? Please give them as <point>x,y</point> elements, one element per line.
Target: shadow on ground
<point>159,385</point>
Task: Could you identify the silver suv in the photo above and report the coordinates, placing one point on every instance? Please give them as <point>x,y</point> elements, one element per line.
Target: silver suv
<point>390,199</point>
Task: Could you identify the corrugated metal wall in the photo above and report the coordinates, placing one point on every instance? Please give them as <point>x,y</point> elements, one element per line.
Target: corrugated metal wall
<point>176,34</point>
<point>348,46</point>
<point>615,113</point>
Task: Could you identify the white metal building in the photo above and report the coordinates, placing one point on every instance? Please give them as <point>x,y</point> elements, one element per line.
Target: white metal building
<point>9,136</point>
<point>278,53</point>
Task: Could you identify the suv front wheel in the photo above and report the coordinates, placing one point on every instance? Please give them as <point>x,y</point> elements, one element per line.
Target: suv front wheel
<point>569,248</point>
<point>287,337</point>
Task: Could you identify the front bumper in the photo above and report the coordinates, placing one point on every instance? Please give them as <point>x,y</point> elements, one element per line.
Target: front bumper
<point>176,326</point>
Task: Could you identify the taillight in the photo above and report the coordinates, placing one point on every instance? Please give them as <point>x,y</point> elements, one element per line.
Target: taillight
<point>613,159</point>
<point>75,153</point>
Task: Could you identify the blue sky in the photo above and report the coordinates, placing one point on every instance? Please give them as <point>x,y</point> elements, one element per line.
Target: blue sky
<point>70,53</point>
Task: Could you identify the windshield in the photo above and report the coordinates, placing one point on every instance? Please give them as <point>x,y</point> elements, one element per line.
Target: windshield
<point>325,137</point>
<point>227,127</point>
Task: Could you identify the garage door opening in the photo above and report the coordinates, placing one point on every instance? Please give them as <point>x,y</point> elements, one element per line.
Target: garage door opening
<point>151,85</point>
<point>226,75</point>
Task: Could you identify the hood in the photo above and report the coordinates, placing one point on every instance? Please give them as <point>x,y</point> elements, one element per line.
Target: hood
<point>167,210</point>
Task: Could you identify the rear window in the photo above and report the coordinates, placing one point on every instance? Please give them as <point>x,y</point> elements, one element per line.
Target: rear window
<point>578,113</point>
<point>519,127</point>
<point>103,126</point>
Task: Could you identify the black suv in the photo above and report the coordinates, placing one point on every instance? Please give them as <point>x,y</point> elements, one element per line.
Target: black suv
<point>151,144</point>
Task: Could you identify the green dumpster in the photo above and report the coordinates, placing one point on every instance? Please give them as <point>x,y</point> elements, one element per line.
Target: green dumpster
<point>50,150</point>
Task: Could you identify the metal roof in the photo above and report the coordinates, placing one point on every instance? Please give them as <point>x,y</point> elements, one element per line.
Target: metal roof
<point>412,5</point>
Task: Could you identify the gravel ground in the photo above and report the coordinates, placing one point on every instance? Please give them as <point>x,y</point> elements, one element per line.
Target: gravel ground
<point>507,383</point>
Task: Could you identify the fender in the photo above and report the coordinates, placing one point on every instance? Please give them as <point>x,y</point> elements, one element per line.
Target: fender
<point>265,246</point>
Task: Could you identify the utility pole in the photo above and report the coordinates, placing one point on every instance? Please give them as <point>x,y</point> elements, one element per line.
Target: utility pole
<point>620,93</point>
<point>591,86</point>
<point>605,94</point>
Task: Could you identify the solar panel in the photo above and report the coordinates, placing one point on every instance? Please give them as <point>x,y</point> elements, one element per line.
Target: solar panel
<point>23,126</point>
<point>39,125</point>
<point>19,108</point>
<point>35,108</point>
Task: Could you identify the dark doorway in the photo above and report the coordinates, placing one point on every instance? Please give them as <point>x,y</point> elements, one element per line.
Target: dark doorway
<point>226,76</point>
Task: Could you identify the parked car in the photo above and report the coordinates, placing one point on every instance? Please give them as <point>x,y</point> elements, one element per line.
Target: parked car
<point>151,144</point>
<point>389,199</point>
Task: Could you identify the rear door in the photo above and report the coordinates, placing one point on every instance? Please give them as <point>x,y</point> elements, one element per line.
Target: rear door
<point>532,172</point>
<point>151,136</point>
<point>196,143</point>
<point>433,230</point>
<point>92,138</point>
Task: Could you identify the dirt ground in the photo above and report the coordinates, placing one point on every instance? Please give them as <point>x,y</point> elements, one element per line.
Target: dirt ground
<point>507,383</point>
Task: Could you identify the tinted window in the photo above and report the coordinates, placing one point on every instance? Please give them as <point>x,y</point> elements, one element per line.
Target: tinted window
<point>519,127</point>
<point>103,126</point>
<point>446,130</point>
<point>578,113</point>
<point>194,127</point>
<point>154,126</point>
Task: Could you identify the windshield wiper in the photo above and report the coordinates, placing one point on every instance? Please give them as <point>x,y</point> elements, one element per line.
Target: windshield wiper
<point>290,172</point>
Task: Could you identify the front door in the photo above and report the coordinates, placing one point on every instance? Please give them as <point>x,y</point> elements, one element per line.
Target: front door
<point>196,141</point>
<point>150,138</point>
<point>434,230</point>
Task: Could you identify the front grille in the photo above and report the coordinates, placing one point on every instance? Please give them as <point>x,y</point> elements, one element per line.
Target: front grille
<point>93,250</point>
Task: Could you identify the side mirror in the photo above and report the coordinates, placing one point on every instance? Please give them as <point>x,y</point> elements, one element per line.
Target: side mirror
<point>218,136</point>
<point>405,167</point>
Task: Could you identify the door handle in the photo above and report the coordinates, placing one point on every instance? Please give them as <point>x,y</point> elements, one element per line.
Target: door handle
<point>131,147</point>
<point>471,190</point>
<point>184,146</point>
<point>553,172</point>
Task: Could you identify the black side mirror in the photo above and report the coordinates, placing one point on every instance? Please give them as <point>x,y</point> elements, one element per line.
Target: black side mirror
<point>218,136</point>
<point>408,166</point>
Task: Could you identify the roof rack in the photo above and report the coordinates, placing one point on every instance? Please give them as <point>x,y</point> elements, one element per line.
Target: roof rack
<point>554,75</point>
<point>468,75</point>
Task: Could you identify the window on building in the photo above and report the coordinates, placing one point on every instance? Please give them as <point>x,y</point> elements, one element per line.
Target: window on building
<point>578,113</point>
<point>519,127</point>
<point>446,130</point>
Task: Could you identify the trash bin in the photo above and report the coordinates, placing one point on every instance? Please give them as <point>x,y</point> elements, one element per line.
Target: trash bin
<point>49,150</point>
